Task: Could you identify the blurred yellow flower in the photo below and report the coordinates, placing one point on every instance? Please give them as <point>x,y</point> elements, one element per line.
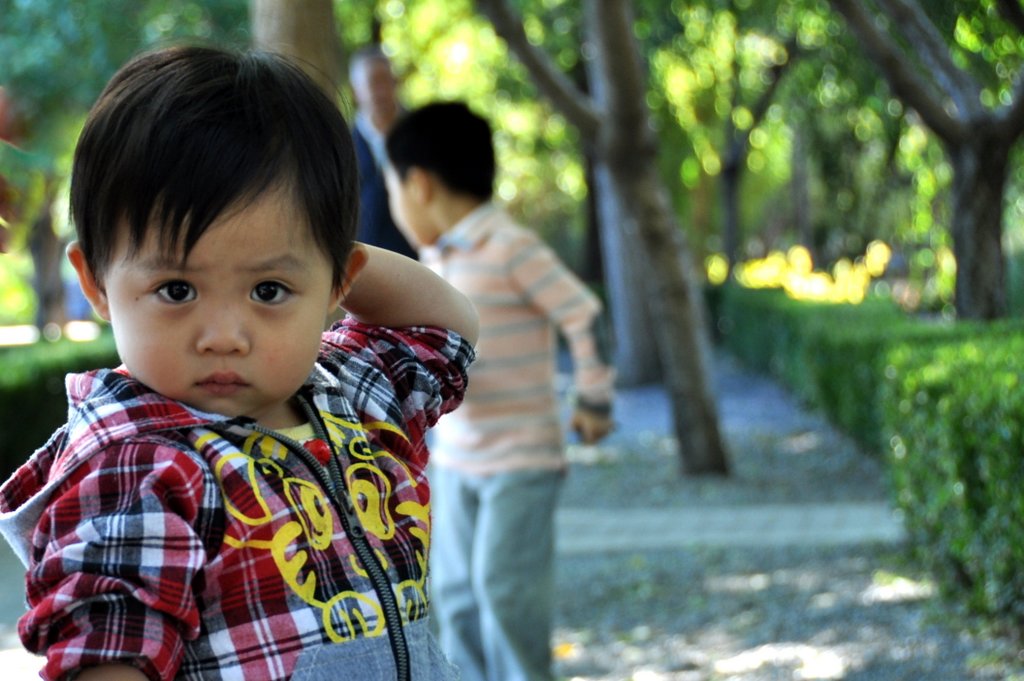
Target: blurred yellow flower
<point>793,271</point>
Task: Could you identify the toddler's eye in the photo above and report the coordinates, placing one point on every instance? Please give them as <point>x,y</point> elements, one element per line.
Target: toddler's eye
<point>177,292</point>
<point>269,292</point>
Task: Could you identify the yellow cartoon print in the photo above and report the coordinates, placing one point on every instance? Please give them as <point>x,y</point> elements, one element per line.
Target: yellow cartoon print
<point>310,524</point>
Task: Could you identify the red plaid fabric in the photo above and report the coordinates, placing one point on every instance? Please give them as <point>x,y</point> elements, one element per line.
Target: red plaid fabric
<point>199,547</point>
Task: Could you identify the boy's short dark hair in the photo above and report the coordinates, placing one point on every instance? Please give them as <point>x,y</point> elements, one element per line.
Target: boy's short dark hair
<point>180,135</point>
<point>447,139</point>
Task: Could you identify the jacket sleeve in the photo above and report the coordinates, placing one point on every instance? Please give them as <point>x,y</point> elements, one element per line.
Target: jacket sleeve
<point>552,288</point>
<point>425,367</point>
<point>115,556</point>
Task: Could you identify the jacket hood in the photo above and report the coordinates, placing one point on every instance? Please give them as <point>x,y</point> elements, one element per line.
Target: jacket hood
<point>103,406</point>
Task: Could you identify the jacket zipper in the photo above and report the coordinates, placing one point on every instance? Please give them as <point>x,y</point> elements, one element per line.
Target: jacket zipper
<point>333,481</point>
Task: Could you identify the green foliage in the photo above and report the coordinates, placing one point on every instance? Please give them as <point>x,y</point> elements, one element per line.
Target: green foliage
<point>17,300</point>
<point>709,66</point>
<point>848,127</point>
<point>1015,283</point>
<point>57,56</point>
<point>872,172</point>
<point>955,418</point>
<point>32,395</point>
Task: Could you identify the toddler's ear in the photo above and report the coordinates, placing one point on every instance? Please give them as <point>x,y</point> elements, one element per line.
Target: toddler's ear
<point>91,288</point>
<point>356,262</point>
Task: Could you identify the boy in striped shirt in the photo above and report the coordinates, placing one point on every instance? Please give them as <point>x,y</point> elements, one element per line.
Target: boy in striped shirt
<point>499,459</point>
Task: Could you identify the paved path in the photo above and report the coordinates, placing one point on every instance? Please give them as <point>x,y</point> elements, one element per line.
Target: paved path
<point>749,402</point>
<point>769,525</point>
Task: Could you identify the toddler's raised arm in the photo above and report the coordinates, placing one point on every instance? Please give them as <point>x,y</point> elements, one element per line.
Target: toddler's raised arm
<point>393,290</point>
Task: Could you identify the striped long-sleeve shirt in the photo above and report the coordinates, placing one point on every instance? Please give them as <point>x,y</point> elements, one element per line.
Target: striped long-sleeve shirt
<point>509,419</point>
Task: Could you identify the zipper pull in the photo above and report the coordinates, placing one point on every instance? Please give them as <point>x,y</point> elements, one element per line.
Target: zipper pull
<point>320,450</point>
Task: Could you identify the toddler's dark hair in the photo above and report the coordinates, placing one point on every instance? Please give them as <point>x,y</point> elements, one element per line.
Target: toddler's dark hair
<point>180,135</point>
<point>448,139</point>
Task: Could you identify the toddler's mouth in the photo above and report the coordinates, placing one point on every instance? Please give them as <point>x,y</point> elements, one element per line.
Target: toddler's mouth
<point>222,383</point>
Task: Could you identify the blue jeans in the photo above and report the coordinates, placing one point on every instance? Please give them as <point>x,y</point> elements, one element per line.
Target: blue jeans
<point>492,564</point>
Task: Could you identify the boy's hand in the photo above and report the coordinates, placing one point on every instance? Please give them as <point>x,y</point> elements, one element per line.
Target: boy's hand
<point>590,425</point>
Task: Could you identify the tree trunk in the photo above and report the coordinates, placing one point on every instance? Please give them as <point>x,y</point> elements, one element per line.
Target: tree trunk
<point>674,299</point>
<point>732,169</point>
<point>304,30</point>
<point>592,265</point>
<point>635,350</point>
<point>730,179</point>
<point>979,179</point>
<point>800,194</point>
<point>737,146</point>
<point>627,147</point>
<point>47,256</point>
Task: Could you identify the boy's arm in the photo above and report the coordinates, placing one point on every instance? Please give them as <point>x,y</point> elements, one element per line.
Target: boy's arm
<point>396,291</point>
<point>568,303</point>
<point>591,416</point>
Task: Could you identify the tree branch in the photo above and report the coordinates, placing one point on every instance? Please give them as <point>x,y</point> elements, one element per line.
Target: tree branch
<point>910,87</point>
<point>737,146</point>
<point>610,25</point>
<point>934,53</point>
<point>574,104</point>
<point>760,108</point>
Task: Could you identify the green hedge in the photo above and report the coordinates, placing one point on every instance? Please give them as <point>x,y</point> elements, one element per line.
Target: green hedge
<point>942,401</point>
<point>33,401</point>
<point>832,356</point>
<point>955,415</point>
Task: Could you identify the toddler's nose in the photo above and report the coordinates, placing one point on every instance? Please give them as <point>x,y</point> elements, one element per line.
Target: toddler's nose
<point>223,333</point>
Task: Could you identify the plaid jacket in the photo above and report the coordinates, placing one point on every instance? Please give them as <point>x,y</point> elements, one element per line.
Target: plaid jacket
<point>199,547</point>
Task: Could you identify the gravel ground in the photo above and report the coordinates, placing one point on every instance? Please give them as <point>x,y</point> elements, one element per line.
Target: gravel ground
<point>859,613</point>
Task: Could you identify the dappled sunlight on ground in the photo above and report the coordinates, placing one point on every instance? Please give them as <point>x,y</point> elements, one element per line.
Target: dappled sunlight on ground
<point>648,655</point>
<point>801,443</point>
<point>807,662</point>
<point>717,654</point>
<point>785,613</point>
<point>896,589</point>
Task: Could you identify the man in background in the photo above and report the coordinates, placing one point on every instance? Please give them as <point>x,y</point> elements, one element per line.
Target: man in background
<point>375,89</point>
